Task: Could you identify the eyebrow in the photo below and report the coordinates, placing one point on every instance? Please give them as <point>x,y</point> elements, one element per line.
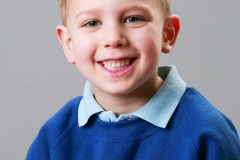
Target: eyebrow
<point>137,8</point>
<point>91,11</point>
<point>127,9</point>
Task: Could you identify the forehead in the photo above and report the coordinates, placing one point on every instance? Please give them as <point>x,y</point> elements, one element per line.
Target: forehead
<point>105,8</point>
<point>108,5</point>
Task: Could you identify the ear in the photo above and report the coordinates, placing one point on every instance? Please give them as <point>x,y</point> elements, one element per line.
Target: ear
<point>66,42</point>
<point>170,33</point>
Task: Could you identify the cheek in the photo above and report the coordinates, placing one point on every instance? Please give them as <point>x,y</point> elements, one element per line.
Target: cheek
<point>149,42</point>
<point>84,52</point>
<point>83,49</point>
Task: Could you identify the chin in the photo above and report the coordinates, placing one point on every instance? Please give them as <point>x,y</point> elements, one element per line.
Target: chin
<point>120,91</point>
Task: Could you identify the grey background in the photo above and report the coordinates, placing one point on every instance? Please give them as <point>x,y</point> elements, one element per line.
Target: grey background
<point>36,79</point>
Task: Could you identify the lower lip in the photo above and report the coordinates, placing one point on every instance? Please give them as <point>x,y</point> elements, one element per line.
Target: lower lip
<point>121,72</point>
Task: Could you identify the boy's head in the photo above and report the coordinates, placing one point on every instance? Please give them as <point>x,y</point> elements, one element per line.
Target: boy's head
<point>116,44</point>
<point>165,8</point>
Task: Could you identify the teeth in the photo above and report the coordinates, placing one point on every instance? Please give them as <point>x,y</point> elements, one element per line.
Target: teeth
<point>105,65</point>
<point>113,65</point>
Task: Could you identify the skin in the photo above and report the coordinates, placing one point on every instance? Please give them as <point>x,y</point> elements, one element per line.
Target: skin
<point>102,32</point>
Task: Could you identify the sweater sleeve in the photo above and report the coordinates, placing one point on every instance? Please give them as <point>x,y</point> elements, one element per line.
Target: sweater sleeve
<point>213,135</point>
<point>219,141</point>
<point>53,130</point>
<point>41,147</point>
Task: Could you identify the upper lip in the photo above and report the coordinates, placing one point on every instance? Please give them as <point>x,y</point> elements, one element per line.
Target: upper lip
<point>118,55</point>
<point>116,58</point>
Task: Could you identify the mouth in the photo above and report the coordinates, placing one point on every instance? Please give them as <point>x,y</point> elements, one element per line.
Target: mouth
<point>117,65</point>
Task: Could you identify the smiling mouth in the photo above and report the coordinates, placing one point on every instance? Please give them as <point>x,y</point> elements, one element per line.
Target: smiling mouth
<point>117,65</point>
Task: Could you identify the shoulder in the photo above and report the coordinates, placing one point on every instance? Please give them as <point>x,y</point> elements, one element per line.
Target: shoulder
<point>62,120</point>
<point>198,110</point>
<point>195,103</point>
<point>212,133</point>
<point>54,129</point>
<point>67,115</point>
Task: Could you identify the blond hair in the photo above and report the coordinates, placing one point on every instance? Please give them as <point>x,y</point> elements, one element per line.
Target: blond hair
<point>165,6</point>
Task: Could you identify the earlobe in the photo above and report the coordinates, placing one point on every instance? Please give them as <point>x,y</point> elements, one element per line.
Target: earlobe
<point>66,42</point>
<point>170,33</point>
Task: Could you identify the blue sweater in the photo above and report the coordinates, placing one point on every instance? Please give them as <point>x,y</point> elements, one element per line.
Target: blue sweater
<point>196,131</point>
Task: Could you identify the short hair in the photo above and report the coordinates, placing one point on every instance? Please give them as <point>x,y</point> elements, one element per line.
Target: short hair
<point>165,6</point>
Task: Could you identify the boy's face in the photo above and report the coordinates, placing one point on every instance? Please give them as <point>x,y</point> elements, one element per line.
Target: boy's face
<point>115,44</point>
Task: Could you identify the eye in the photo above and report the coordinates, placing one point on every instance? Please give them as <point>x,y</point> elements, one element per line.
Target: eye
<point>92,23</point>
<point>132,19</point>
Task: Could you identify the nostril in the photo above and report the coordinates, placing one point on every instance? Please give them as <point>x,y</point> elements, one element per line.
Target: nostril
<point>114,45</point>
<point>120,45</point>
<point>115,42</point>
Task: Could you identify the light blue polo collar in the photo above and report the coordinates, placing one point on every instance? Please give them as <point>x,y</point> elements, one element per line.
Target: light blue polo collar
<point>157,111</point>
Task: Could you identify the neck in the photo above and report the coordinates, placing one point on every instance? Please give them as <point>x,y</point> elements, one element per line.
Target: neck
<point>130,102</point>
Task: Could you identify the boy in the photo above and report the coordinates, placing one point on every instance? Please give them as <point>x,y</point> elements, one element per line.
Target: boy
<point>131,108</point>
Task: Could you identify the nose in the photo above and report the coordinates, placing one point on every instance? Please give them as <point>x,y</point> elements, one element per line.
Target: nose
<point>114,37</point>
